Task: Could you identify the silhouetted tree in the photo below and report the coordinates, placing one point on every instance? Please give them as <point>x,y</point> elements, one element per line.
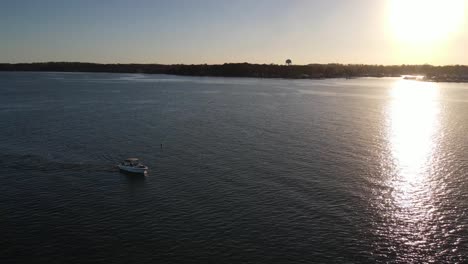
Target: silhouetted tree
<point>288,62</point>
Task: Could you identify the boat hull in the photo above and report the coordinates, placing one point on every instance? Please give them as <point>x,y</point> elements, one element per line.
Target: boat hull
<point>133,169</point>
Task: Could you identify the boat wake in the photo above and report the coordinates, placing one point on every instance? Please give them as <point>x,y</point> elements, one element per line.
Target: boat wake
<point>38,163</point>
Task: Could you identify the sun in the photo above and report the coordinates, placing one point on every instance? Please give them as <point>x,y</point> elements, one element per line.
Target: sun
<point>425,22</point>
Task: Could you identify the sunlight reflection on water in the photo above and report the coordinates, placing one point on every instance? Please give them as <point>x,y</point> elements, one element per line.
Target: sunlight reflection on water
<point>413,138</point>
<point>414,127</point>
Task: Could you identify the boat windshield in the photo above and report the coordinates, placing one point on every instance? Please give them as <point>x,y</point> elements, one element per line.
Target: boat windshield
<point>133,162</point>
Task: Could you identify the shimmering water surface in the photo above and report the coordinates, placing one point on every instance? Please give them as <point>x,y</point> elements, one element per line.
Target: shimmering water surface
<point>251,170</point>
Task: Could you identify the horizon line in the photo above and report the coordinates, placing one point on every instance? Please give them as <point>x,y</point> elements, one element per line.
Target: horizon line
<point>217,64</point>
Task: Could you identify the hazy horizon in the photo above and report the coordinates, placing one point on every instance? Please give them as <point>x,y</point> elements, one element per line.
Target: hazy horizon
<point>253,63</point>
<point>390,32</point>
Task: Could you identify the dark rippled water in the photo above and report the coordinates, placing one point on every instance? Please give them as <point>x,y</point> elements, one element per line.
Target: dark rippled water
<point>251,170</point>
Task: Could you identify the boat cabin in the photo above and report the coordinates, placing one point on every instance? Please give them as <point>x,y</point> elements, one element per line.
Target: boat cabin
<point>131,162</point>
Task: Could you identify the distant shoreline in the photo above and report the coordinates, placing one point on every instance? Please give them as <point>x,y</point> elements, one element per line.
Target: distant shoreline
<point>451,73</point>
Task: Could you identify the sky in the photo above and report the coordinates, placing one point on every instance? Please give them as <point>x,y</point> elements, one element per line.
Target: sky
<point>220,31</point>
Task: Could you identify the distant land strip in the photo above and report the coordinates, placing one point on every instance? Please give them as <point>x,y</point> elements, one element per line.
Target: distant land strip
<point>449,73</point>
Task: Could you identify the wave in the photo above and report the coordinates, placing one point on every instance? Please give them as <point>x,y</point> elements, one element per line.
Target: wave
<point>39,163</point>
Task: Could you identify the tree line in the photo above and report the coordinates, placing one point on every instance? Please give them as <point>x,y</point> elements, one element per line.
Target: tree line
<point>311,71</point>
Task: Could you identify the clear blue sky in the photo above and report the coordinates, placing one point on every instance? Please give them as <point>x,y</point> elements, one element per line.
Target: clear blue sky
<point>209,31</point>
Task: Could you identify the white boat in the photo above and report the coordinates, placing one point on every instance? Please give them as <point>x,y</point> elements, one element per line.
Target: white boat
<point>132,165</point>
<point>413,77</point>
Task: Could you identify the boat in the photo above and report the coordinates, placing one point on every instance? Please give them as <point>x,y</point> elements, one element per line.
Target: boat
<point>132,165</point>
<point>413,77</point>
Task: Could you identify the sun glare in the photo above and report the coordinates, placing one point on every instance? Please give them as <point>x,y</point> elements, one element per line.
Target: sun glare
<point>425,22</point>
<point>413,136</point>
